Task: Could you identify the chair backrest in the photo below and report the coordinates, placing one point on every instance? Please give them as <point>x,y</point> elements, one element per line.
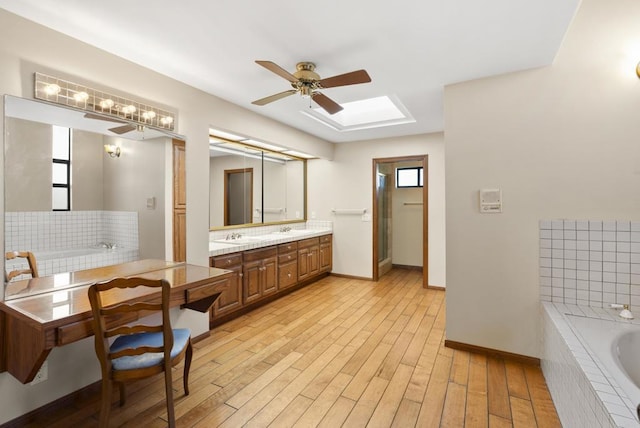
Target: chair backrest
<point>107,307</point>
<point>31,260</point>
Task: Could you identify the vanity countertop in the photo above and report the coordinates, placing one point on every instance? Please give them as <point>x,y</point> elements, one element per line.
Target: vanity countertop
<point>250,242</point>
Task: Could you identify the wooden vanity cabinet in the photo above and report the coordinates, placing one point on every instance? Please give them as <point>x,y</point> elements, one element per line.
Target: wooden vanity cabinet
<point>260,273</point>
<point>287,265</point>
<point>231,299</point>
<point>326,254</point>
<point>264,274</point>
<point>308,263</point>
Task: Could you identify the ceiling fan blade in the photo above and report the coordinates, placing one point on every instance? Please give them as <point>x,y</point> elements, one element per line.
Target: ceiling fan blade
<point>98,117</point>
<point>275,97</point>
<point>275,68</point>
<point>122,129</point>
<point>352,78</point>
<point>326,103</point>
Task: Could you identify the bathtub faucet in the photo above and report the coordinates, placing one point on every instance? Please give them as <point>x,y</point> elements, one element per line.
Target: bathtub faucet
<point>107,245</point>
<point>625,312</point>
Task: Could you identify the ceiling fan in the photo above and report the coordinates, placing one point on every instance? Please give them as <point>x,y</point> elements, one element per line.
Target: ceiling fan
<point>307,82</point>
<point>127,127</point>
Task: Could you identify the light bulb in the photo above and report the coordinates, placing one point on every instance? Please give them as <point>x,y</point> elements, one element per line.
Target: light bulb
<point>108,103</point>
<point>149,114</point>
<point>81,96</point>
<point>52,89</point>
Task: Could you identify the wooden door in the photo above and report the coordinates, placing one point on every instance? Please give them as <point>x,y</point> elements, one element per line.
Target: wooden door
<point>325,257</point>
<point>303,263</point>
<point>252,273</point>
<point>179,202</point>
<point>314,259</point>
<point>269,275</point>
<point>231,299</point>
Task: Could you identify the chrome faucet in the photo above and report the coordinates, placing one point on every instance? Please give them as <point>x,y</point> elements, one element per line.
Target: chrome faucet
<point>285,229</point>
<point>107,245</point>
<point>234,235</point>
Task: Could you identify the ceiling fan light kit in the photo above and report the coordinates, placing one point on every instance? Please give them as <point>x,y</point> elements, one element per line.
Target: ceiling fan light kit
<point>308,83</point>
<point>133,115</point>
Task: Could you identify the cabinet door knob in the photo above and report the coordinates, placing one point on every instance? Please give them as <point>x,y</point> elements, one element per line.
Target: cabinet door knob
<point>289,257</point>
<point>228,262</point>
<point>289,275</point>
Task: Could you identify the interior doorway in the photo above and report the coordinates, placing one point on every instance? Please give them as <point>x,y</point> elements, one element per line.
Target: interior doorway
<point>238,196</point>
<point>400,215</point>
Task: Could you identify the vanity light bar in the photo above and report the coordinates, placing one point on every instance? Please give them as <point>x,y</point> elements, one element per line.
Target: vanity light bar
<point>216,141</point>
<point>80,97</point>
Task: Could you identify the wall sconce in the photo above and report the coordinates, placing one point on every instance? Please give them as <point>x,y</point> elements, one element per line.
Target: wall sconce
<point>80,97</point>
<point>112,150</point>
<point>638,69</point>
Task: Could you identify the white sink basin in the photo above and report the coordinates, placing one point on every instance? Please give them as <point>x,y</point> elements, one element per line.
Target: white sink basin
<point>241,241</point>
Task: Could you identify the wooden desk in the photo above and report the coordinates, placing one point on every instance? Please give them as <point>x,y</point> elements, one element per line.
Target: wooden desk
<point>31,326</point>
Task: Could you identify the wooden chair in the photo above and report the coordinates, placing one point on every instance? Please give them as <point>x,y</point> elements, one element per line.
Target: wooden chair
<point>31,260</point>
<point>139,351</point>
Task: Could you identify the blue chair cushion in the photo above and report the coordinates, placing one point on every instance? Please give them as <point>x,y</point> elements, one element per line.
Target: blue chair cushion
<point>180,339</point>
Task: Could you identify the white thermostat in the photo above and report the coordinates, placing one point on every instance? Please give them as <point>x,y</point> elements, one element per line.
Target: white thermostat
<point>490,201</point>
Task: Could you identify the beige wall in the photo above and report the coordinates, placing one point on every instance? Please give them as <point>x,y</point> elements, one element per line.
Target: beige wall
<point>26,47</point>
<point>347,182</point>
<point>561,142</point>
<point>87,157</point>
<point>138,174</point>
<point>28,177</point>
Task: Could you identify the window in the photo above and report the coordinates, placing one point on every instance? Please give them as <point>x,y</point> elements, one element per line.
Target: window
<point>409,177</point>
<point>61,169</point>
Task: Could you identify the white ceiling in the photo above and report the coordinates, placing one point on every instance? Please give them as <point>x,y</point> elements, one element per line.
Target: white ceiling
<point>410,48</point>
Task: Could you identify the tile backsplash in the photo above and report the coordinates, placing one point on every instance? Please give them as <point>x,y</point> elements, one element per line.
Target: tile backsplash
<point>56,230</point>
<point>590,262</point>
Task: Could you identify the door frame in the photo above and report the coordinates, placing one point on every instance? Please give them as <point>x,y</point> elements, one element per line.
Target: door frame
<point>228,172</point>
<point>424,159</point>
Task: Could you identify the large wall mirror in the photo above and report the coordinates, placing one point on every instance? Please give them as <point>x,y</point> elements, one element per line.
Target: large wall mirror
<point>252,185</point>
<point>74,205</point>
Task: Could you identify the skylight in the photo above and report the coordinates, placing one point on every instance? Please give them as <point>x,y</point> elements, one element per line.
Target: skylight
<point>364,114</point>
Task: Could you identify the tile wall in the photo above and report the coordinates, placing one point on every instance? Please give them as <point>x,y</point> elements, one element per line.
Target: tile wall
<point>590,262</point>
<point>46,230</point>
<point>567,367</point>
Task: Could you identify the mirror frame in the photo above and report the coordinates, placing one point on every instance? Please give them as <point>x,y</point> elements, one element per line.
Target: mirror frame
<point>264,150</point>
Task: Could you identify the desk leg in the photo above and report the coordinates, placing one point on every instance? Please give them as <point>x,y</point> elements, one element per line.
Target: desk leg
<point>25,349</point>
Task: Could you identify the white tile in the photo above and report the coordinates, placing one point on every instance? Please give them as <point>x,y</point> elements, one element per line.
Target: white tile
<point>545,243</point>
<point>595,235</point>
<point>623,226</point>
<point>582,255</point>
<point>583,225</point>
<point>609,236</point>
<point>557,224</point>
<point>545,262</point>
<point>544,234</point>
<point>595,225</point>
<point>570,225</point>
<point>623,236</point>
<point>609,225</point>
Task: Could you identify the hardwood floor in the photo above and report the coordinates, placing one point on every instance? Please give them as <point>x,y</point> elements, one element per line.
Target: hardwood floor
<point>340,352</point>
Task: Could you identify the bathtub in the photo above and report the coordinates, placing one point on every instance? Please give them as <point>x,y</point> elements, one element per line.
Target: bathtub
<point>74,259</point>
<point>615,346</point>
<point>64,254</point>
<point>591,362</point>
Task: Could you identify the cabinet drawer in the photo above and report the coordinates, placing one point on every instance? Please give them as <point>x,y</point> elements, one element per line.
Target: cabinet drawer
<point>262,253</point>
<point>325,239</point>
<point>310,242</point>
<point>227,260</point>
<point>287,275</point>
<point>289,246</point>
<point>204,291</point>
<point>73,332</point>
<point>286,258</point>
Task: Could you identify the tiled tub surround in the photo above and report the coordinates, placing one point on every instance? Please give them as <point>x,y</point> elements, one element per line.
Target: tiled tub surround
<point>585,387</point>
<point>309,229</point>
<point>586,265</point>
<point>66,241</point>
<point>590,263</point>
